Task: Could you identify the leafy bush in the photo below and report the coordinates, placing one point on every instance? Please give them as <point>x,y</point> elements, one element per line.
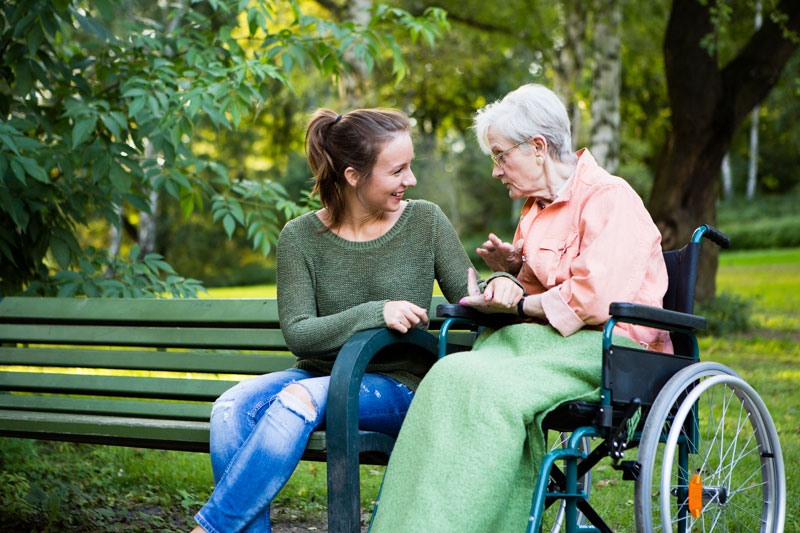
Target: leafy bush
<point>726,314</point>
<point>768,233</point>
<point>104,276</point>
<point>767,221</point>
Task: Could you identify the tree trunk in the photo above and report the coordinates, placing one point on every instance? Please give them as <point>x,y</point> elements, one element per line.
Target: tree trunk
<point>147,221</point>
<point>570,63</point>
<point>727,177</point>
<point>606,84</point>
<point>752,169</point>
<point>708,104</point>
<point>351,86</point>
<point>115,240</point>
<point>148,225</point>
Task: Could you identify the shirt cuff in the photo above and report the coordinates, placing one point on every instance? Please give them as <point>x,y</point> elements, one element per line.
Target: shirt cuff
<point>376,313</point>
<point>559,314</point>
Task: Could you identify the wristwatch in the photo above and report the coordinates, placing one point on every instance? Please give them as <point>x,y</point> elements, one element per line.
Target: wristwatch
<point>521,306</point>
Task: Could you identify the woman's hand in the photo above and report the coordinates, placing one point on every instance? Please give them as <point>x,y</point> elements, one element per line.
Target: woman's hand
<point>500,296</point>
<point>401,315</point>
<point>501,256</point>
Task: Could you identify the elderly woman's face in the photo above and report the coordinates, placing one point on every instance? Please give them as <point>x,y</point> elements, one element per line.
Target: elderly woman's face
<point>516,167</point>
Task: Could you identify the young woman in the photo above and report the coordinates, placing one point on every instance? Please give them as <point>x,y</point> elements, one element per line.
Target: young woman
<point>368,259</point>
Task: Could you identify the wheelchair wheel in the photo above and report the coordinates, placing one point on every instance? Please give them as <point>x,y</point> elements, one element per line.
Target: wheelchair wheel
<point>553,517</point>
<point>710,457</point>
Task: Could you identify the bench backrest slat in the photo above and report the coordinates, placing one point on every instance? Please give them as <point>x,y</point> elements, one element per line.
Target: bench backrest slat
<point>233,338</point>
<point>176,361</point>
<point>134,386</point>
<point>241,312</point>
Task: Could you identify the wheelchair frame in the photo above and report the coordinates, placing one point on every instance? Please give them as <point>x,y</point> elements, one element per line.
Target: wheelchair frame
<point>668,392</point>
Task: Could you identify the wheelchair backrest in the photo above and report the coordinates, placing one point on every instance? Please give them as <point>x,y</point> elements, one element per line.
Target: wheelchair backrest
<point>682,268</point>
<point>636,373</point>
<point>682,271</point>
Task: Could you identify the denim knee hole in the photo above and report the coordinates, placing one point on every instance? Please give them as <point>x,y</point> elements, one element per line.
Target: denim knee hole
<point>296,405</point>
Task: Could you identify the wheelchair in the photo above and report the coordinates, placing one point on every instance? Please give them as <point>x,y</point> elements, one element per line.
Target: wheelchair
<point>709,458</point>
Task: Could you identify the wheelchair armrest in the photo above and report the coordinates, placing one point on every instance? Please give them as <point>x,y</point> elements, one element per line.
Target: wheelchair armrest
<point>655,316</point>
<point>488,320</point>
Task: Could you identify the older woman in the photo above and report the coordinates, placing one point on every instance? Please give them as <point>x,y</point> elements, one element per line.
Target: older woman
<point>468,452</point>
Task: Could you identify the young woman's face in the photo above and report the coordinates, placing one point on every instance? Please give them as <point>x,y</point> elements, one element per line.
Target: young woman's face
<point>391,175</point>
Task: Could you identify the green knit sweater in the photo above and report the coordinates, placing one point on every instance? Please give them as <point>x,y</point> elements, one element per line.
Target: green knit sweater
<point>330,288</point>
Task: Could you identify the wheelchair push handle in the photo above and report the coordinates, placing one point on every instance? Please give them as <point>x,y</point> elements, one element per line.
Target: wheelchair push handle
<point>713,234</point>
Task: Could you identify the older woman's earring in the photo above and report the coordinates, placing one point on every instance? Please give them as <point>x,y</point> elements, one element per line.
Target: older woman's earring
<point>539,160</point>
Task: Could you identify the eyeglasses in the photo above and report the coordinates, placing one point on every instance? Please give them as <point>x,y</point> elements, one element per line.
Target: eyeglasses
<point>498,159</point>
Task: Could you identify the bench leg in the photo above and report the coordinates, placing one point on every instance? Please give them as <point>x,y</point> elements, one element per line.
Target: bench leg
<point>344,492</point>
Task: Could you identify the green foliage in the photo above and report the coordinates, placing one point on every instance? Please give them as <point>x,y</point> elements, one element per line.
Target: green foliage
<point>134,277</point>
<point>767,221</point>
<point>50,486</point>
<point>726,314</point>
<point>100,104</point>
<point>778,134</point>
<point>767,233</point>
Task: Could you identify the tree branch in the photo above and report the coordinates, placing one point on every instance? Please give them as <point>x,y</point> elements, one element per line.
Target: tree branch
<point>477,24</point>
<point>752,74</point>
<point>338,11</point>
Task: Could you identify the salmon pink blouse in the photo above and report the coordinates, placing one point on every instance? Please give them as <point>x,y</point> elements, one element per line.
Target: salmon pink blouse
<point>594,245</point>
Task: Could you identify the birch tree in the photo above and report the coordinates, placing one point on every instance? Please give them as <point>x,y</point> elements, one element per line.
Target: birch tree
<point>606,84</point>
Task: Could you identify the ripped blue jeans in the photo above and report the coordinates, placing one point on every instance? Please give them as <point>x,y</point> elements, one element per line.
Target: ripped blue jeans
<point>259,433</point>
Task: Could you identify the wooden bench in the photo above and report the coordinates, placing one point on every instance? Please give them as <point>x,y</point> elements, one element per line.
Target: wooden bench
<point>144,373</point>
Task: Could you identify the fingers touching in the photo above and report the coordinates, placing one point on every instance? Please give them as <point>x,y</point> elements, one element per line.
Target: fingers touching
<point>500,296</point>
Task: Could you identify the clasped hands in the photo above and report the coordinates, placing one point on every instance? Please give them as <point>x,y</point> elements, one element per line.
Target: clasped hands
<point>500,296</point>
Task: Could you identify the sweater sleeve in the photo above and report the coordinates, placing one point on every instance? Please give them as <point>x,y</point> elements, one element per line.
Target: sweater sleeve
<point>306,334</point>
<point>451,261</point>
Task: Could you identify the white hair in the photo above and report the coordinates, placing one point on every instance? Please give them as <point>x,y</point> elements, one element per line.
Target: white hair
<point>524,113</point>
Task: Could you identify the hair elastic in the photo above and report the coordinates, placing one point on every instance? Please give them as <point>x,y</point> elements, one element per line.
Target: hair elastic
<point>338,118</point>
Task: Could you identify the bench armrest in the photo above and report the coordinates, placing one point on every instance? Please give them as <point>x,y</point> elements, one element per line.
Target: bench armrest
<point>343,438</point>
<point>655,317</point>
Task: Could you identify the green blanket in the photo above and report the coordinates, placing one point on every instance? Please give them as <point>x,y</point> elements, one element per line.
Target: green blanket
<point>467,456</point>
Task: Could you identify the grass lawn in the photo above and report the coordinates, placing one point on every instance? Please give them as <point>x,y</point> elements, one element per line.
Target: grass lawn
<point>69,487</point>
